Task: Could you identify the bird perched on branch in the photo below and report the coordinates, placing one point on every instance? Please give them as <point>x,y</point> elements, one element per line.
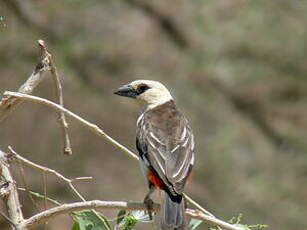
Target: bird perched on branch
<point>166,148</point>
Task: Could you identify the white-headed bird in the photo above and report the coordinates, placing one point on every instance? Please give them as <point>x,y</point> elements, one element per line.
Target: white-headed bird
<point>166,148</point>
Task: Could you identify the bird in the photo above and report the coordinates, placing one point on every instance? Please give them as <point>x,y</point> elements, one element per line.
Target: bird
<point>165,142</point>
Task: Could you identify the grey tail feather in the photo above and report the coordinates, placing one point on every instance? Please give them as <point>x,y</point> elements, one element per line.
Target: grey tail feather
<point>172,213</point>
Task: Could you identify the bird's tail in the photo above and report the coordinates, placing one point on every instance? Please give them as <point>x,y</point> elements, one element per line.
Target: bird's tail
<point>172,213</point>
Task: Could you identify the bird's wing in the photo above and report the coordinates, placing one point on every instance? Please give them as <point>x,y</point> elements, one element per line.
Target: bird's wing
<point>180,160</point>
<point>170,156</point>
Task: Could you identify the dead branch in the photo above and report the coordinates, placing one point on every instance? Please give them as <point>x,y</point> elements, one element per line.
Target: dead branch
<point>10,196</point>
<point>46,63</point>
<point>7,219</point>
<point>94,128</point>
<point>212,221</point>
<point>59,93</point>
<point>8,104</point>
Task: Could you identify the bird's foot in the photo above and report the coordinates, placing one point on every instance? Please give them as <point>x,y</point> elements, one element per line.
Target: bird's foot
<point>149,204</point>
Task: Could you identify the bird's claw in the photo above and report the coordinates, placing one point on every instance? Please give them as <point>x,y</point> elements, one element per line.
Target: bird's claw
<point>149,204</point>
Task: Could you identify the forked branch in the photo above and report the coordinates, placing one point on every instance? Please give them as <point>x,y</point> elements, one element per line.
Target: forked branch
<point>9,194</point>
<point>59,94</point>
<point>51,171</point>
<point>46,63</point>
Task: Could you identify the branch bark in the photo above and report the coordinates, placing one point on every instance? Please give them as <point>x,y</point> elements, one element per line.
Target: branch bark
<point>94,128</point>
<point>46,63</point>
<point>10,194</point>
<point>8,104</point>
<point>44,216</point>
<point>51,171</point>
<point>59,93</point>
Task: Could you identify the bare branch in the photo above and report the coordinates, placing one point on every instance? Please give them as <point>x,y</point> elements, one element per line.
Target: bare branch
<point>45,189</point>
<point>59,93</point>
<point>8,104</point>
<point>11,196</point>
<point>95,204</point>
<point>7,219</point>
<point>25,184</point>
<point>212,221</point>
<point>46,63</point>
<point>191,201</point>
<point>44,216</point>
<point>94,128</point>
<point>37,195</point>
<point>51,171</point>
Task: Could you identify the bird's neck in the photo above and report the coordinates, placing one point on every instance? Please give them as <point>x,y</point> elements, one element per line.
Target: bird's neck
<point>157,101</point>
<point>160,105</point>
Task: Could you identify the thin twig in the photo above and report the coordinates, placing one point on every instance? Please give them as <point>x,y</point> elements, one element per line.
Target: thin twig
<point>7,219</point>
<point>59,94</point>
<point>45,189</point>
<point>40,196</point>
<point>190,200</point>
<point>94,128</point>
<point>199,207</point>
<point>25,184</point>
<point>51,171</point>
<point>212,221</point>
<point>44,176</point>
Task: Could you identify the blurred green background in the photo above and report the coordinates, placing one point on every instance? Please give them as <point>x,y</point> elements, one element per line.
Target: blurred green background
<point>237,69</point>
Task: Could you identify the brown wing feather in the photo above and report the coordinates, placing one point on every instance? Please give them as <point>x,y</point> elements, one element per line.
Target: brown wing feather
<point>168,145</point>
<point>180,161</point>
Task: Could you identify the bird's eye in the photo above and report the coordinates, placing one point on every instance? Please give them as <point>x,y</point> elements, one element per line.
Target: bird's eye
<point>142,88</point>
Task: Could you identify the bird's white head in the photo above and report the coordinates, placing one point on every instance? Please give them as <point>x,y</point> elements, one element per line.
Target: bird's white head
<point>150,93</point>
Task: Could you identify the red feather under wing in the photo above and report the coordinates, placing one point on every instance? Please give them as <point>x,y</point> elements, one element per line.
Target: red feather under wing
<point>155,179</point>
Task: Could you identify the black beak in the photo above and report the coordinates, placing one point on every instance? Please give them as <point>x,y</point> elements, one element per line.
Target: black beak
<point>126,91</point>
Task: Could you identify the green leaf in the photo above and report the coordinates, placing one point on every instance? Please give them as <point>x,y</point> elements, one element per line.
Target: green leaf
<point>141,215</point>
<point>194,223</point>
<point>75,226</point>
<point>120,216</point>
<point>89,220</point>
<point>125,221</point>
<point>128,223</point>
